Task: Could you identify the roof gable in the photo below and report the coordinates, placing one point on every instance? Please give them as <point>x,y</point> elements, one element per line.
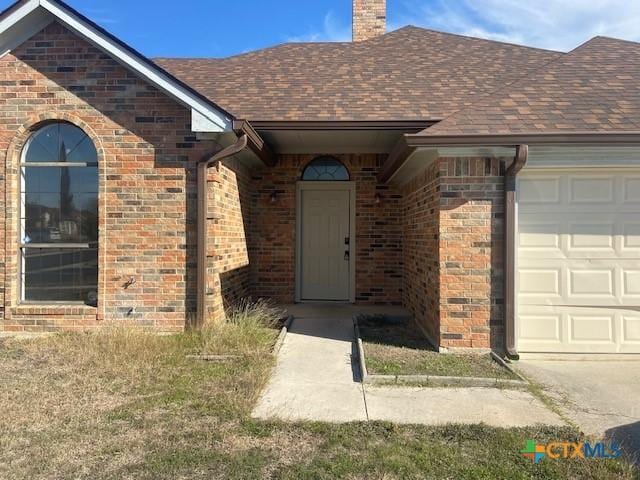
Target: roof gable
<point>592,89</point>
<point>27,17</point>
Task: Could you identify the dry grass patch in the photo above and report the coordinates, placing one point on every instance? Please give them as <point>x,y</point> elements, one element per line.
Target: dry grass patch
<point>103,401</point>
<point>125,404</point>
<point>400,349</point>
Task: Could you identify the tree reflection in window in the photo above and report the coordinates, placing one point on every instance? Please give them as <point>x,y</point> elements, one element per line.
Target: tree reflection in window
<point>325,169</point>
<point>59,224</point>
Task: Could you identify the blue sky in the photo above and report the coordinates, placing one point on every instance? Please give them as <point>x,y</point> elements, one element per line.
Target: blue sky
<point>217,28</point>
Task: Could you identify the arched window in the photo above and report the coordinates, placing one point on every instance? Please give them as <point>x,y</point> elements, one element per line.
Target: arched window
<point>59,216</point>
<point>325,169</point>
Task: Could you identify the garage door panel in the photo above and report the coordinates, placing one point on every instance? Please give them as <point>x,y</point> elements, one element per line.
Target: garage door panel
<point>540,234</point>
<point>631,283</point>
<point>540,190</point>
<point>591,189</point>
<point>631,190</point>
<point>631,329</point>
<point>539,281</point>
<point>591,235</point>
<point>631,236</point>
<point>540,327</point>
<point>594,328</point>
<point>590,282</point>
<point>578,262</point>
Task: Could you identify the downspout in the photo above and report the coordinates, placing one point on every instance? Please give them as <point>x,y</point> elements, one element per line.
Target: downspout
<point>510,213</point>
<point>203,209</point>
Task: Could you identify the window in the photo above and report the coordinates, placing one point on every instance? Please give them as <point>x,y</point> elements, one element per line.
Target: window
<point>325,169</point>
<point>59,216</point>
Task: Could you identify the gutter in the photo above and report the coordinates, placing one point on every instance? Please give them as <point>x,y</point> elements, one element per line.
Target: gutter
<point>402,126</point>
<point>255,142</point>
<point>203,209</point>
<point>510,214</point>
<point>513,140</point>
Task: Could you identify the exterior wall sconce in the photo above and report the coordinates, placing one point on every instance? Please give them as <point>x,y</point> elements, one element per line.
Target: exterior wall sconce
<point>273,197</point>
<point>378,199</point>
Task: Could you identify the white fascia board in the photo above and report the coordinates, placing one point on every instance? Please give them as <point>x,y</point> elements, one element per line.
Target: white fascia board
<point>209,118</point>
<point>18,14</point>
<point>21,25</point>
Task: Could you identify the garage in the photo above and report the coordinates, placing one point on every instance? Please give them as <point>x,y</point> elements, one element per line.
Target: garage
<point>578,261</point>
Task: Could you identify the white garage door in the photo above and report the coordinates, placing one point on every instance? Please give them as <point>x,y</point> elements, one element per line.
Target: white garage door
<point>578,263</point>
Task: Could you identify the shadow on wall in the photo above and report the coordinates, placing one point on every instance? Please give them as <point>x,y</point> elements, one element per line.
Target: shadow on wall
<point>628,436</point>
<point>233,211</point>
<point>235,285</point>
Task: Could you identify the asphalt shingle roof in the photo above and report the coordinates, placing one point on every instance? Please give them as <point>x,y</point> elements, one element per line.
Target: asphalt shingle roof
<point>592,89</point>
<point>409,74</point>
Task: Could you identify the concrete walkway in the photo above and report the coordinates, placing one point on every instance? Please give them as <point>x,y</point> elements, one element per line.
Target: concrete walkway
<point>314,377</point>
<point>317,378</point>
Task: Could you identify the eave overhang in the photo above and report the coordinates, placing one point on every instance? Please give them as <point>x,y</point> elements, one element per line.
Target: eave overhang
<point>409,144</point>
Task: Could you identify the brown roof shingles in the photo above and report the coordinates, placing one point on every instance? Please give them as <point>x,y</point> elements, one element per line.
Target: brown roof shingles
<point>409,74</point>
<point>592,89</point>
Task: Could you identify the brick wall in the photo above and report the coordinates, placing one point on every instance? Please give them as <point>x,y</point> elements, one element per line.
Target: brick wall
<point>147,155</point>
<point>230,213</point>
<point>453,251</point>
<point>421,275</point>
<point>378,230</point>
<point>471,252</point>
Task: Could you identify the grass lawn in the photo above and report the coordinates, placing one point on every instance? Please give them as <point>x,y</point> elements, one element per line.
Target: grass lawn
<point>123,404</point>
<point>401,350</point>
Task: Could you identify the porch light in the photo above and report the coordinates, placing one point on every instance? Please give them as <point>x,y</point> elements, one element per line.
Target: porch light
<point>273,197</point>
<point>378,199</point>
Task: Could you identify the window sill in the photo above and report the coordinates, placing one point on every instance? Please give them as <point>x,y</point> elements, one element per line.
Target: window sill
<point>53,309</point>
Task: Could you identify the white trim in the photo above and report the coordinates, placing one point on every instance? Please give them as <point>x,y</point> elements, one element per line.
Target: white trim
<point>219,121</point>
<point>19,14</point>
<point>351,188</point>
<point>585,156</point>
<point>16,29</point>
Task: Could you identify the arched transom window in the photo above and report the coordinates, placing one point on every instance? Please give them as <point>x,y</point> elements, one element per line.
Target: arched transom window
<point>325,169</point>
<point>59,216</point>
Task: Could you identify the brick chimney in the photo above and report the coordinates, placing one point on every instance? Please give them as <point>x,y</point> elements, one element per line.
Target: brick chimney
<point>369,19</point>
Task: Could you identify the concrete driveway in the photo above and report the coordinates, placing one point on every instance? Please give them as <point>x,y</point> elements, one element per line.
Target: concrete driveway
<point>602,397</point>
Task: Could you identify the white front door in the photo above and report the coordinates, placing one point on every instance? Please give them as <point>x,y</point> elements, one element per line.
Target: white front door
<point>324,244</point>
<point>579,261</point>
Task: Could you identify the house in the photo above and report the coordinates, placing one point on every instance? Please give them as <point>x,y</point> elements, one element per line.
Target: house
<point>492,189</point>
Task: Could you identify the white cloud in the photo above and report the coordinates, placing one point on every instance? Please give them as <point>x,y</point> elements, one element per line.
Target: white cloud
<point>333,30</point>
<point>554,24</point>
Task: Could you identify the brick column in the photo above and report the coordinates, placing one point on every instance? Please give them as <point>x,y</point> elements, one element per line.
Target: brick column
<point>471,251</point>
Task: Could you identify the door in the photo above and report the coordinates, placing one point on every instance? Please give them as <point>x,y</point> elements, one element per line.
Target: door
<point>324,244</point>
<point>579,262</point>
